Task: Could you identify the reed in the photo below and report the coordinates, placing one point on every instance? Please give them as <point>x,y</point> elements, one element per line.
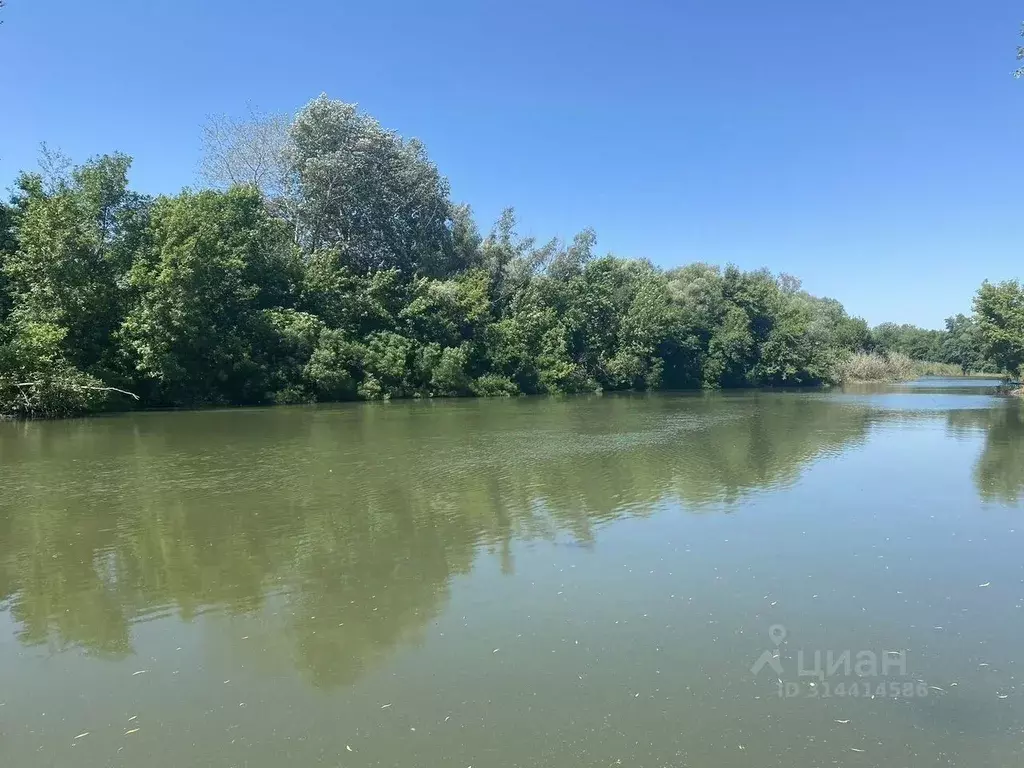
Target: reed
<point>864,366</point>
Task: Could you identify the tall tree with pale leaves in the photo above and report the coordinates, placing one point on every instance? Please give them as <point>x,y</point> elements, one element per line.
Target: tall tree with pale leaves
<point>248,151</point>
<point>369,192</point>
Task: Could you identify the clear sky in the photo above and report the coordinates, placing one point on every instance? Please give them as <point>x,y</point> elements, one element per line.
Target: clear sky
<point>864,146</point>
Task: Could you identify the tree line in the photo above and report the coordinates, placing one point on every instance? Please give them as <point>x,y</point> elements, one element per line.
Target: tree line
<point>326,260</point>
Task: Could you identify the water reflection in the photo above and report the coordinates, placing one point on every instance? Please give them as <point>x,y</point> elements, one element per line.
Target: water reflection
<point>358,517</point>
<point>999,471</point>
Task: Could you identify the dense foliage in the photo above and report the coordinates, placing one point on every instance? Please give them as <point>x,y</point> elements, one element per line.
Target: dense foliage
<point>999,310</point>
<point>909,340</point>
<point>329,262</point>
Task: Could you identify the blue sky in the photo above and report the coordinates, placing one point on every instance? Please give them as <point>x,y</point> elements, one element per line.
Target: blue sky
<point>865,147</point>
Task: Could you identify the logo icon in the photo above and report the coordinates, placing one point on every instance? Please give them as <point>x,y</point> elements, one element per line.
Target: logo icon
<point>772,658</point>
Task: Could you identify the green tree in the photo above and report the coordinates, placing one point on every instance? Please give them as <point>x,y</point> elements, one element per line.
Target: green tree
<point>962,344</point>
<point>999,312</point>
<point>917,343</point>
<point>75,240</point>
<point>334,368</point>
<point>388,366</point>
<point>799,349</point>
<point>369,192</point>
<point>67,244</point>
<point>847,333</point>
<point>697,296</point>
<point>215,263</point>
<point>8,245</point>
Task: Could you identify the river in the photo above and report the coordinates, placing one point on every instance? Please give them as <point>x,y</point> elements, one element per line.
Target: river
<point>590,581</point>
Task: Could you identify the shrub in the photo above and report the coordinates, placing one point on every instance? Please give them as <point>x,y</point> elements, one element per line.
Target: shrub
<point>494,385</point>
<point>63,392</point>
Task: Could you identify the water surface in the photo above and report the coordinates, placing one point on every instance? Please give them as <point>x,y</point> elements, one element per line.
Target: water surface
<point>530,582</point>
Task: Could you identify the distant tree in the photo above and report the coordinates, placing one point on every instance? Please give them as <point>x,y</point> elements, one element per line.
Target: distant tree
<point>848,333</point>
<point>999,309</point>
<point>962,344</point>
<point>917,343</point>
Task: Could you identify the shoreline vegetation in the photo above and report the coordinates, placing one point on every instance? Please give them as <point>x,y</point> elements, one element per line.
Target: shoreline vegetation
<point>895,366</point>
<point>325,260</point>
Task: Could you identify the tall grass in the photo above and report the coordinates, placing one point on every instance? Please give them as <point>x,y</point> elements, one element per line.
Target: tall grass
<point>895,366</point>
<point>863,366</point>
<point>925,368</point>
<point>949,370</point>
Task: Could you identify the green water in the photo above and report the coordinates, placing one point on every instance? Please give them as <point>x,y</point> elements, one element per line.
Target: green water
<point>529,582</point>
